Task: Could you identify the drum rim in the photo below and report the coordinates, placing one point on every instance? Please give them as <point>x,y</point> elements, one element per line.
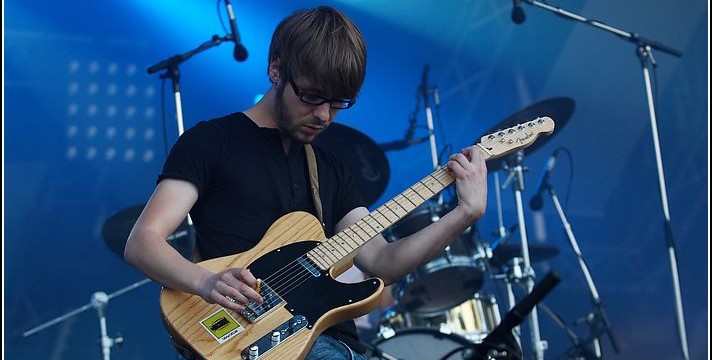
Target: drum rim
<point>423,330</point>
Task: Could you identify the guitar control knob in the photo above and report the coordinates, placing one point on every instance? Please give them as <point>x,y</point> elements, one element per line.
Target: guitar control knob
<point>276,338</point>
<point>254,352</point>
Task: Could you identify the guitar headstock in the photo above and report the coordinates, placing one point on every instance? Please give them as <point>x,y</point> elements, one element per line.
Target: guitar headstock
<point>517,137</point>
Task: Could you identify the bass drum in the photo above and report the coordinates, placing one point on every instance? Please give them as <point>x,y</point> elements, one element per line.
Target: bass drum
<point>421,344</point>
<point>445,281</point>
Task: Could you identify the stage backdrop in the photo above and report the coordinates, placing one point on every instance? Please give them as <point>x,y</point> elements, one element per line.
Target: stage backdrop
<point>86,130</point>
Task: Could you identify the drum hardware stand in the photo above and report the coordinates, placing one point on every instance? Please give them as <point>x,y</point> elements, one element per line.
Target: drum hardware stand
<point>516,176</point>
<point>580,350</point>
<point>599,314</point>
<point>644,53</point>
<point>99,301</point>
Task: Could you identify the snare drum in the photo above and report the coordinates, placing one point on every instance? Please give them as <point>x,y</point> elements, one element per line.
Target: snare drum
<point>445,281</point>
<point>475,318</point>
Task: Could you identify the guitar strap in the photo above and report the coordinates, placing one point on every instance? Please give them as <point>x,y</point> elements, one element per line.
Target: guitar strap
<point>314,180</point>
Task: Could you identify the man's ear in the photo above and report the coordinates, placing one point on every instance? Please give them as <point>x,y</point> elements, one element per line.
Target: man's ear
<point>274,72</point>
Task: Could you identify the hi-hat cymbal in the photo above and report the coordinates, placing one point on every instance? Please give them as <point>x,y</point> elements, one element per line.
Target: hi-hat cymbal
<point>118,226</point>
<point>558,109</point>
<point>362,156</point>
<point>537,252</point>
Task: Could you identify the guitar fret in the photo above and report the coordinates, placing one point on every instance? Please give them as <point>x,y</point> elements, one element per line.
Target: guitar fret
<point>369,234</point>
<point>424,186</point>
<point>341,239</point>
<point>354,236</point>
<point>334,249</point>
<point>337,246</point>
<point>318,256</point>
<point>318,260</point>
<point>329,256</point>
<point>375,230</point>
<point>406,202</point>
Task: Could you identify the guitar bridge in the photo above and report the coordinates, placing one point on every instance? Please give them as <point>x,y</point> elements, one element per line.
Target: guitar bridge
<point>254,311</point>
<point>274,338</point>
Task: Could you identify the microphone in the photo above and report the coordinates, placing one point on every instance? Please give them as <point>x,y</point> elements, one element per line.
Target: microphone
<point>518,15</point>
<point>401,144</point>
<point>536,203</point>
<point>502,333</point>
<point>240,53</point>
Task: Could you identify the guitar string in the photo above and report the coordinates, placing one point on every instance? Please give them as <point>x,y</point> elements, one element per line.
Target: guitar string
<point>284,280</point>
<point>304,274</point>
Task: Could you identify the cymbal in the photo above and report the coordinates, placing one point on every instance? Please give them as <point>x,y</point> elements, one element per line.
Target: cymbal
<point>117,227</point>
<point>537,252</point>
<point>362,156</point>
<point>557,108</point>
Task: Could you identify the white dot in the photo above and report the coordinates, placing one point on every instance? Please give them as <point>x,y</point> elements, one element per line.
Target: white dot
<point>129,154</point>
<point>71,152</point>
<point>73,88</point>
<point>110,132</point>
<point>74,66</point>
<point>73,109</point>
<point>131,69</point>
<point>112,68</point>
<point>93,88</point>
<point>91,153</point>
<point>148,134</point>
<point>149,112</point>
<point>131,90</point>
<point>130,112</point>
<point>72,131</point>
<point>149,92</point>
<point>130,133</point>
<point>110,153</point>
<point>111,111</point>
<point>92,109</point>
<point>148,155</point>
<point>112,89</point>
<point>91,131</point>
<point>93,67</point>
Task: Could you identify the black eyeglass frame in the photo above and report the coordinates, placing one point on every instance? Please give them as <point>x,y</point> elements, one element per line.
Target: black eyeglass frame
<point>312,99</point>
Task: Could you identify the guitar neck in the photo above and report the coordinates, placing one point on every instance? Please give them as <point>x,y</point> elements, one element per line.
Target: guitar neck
<point>348,241</point>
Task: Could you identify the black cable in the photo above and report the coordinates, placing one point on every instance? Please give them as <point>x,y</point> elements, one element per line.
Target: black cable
<point>571,174</point>
<point>218,5</point>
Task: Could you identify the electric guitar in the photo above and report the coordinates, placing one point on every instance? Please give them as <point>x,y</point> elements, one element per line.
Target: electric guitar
<point>297,266</point>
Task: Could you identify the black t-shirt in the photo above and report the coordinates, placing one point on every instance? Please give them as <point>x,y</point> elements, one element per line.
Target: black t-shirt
<point>246,182</point>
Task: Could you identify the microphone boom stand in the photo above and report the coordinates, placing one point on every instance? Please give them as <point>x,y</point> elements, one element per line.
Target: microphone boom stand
<point>172,72</point>
<point>599,313</point>
<point>644,52</point>
<point>99,301</point>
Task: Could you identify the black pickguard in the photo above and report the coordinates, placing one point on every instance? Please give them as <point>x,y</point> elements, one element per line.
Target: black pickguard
<point>317,295</point>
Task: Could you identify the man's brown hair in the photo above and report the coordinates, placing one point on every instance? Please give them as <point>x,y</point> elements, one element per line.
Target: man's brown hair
<point>323,46</point>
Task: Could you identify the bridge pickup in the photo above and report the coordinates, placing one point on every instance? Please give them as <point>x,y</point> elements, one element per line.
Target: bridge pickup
<point>254,311</point>
<point>274,338</point>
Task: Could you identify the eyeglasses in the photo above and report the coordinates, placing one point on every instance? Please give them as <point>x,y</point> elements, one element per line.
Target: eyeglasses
<point>318,100</point>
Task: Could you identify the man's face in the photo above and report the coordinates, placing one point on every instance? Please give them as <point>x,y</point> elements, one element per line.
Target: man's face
<point>300,120</point>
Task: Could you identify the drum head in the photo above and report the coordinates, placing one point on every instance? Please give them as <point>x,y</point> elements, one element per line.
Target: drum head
<point>423,344</point>
<point>439,287</point>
